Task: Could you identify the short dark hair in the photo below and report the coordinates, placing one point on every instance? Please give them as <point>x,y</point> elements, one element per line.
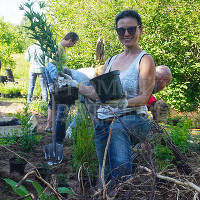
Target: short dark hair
<point>128,13</point>
<point>71,35</point>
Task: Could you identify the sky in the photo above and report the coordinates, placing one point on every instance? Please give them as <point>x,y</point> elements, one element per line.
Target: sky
<point>10,10</point>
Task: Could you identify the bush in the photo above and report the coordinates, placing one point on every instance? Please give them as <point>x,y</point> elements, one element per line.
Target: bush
<point>28,139</point>
<point>39,106</point>
<point>13,40</point>
<point>163,155</point>
<point>180,136</point>
<point>10,88</point>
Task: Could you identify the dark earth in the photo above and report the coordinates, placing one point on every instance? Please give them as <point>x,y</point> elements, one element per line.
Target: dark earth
<point>66,176</point>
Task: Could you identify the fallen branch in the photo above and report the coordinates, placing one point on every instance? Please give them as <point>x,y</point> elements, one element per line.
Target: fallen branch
<point>196,196</point>
<point>185,183</point>
<point>36,173</point>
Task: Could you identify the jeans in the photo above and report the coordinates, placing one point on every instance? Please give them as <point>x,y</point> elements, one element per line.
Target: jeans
<point>50,72</point>
<point>63,109</point>
<point>119,155</point>
<point>62,113</point>
<point>32,80</point>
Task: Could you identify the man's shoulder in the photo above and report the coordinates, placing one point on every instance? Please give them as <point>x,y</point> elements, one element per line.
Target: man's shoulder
<point>34,47</point>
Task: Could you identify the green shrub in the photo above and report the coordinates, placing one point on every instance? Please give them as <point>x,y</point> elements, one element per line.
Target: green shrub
<point>10,138</point>
<point>39,106</point>
<point>13,40</point>
<point>163,155</point>
<point>28,139</point>
<point>10,88</point>
<point>179,135</point>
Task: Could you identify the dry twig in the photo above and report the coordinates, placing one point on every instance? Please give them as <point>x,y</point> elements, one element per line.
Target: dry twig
<point>185,183</point>
<point>36,173</point>
<point>18,155</point>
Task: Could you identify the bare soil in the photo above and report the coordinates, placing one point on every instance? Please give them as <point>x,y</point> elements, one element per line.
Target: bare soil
<point>36,158</point>
<point>10,107</point>
<point>67,177</point>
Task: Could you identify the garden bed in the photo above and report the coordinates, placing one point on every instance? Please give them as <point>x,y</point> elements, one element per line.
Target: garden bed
<point>36,158</point>
<point>67,177</point>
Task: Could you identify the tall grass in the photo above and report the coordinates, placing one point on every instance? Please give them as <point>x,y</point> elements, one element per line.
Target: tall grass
<point>21,71</point>
<point>83,142</point>
<point>21,74</point>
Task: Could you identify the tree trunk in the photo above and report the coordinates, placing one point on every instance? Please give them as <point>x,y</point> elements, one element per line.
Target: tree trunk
<point>10,75</point>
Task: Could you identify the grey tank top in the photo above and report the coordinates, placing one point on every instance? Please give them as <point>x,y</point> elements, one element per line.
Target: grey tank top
<point>130,83</point>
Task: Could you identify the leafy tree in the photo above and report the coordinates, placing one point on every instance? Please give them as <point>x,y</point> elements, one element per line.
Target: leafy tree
<point>171,36</point>
<point>13,40</point>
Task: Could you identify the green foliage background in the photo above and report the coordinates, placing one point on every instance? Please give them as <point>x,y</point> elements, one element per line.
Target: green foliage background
<point>13,39</point>
<point>170,35</point>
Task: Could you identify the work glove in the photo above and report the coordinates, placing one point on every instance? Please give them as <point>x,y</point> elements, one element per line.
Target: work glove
<point>66,80</point>
<point>118,103</point>
<point>51,88</point>
<point>160,111</point>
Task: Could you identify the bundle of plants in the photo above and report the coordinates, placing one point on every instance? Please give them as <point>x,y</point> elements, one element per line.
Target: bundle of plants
<point>43,33</point>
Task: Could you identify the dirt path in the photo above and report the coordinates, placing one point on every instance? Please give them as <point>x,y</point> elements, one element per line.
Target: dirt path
<point>10,107</point>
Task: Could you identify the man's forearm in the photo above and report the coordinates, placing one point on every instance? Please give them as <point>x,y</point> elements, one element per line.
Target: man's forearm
<point>140,100</point>
<point>88,91</point>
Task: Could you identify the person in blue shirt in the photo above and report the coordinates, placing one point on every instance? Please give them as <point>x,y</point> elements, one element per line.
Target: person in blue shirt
<point>68,41</point>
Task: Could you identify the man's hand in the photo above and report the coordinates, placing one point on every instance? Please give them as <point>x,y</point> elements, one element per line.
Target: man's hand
<point>160,111</point>
<point>51,87</point>
<point>118,103</point>
<point>66,80</point>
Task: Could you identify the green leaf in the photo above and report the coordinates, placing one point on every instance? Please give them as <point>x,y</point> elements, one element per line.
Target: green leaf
<point>51,197</point>
<point>64,190</point>
<point>21,190</point>
<point>39,189</point>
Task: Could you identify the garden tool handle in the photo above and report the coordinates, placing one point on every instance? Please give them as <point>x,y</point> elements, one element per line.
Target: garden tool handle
<point>53,122</point>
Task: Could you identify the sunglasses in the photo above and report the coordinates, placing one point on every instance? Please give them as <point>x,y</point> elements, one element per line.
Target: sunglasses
<point>131,30</point>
